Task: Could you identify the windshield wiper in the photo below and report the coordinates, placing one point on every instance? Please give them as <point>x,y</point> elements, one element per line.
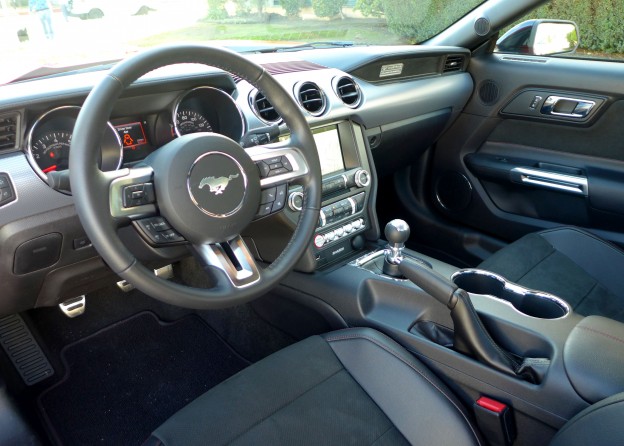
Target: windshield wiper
<point>306,46</point>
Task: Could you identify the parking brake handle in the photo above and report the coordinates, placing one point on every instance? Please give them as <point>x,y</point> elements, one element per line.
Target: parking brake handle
<point>470,335</point>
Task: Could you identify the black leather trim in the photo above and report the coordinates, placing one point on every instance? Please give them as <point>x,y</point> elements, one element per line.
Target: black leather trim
<point>593,356</point>
<point>599,258</point>
<point>417,403</point>
<point>599,424</point>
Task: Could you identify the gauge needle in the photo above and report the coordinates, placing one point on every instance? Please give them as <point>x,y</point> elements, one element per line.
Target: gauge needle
<point>49,169</point>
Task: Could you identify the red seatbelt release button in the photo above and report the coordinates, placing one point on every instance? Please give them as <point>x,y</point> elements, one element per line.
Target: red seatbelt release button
<point>495,420</point>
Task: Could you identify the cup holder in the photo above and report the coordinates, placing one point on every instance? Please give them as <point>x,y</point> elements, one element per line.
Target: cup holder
<point>529,302</point>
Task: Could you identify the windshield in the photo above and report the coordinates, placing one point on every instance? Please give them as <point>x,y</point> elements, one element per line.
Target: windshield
<point>79,33</point>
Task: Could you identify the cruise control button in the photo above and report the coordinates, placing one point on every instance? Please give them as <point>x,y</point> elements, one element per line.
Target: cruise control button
<point>274,160</point>
<point>172,236</point>
<point>268,195</point>
<point>6,194</point>
<point>160,224</point>
<point>4,181</point>
<point>286,163</point>
<point>278,171</point>
<point>263,168</point>
<point>264,209</point>
<point>275,166</point>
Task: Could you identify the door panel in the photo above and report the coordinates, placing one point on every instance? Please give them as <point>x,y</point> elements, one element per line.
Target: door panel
<point>525,168</point>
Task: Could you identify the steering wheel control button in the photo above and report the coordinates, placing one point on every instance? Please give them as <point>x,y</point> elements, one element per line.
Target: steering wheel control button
<point>157,230</point>
<point>138,195</point>
<point>268,195</point>
<point>263,169</point>
<point>286,163</point>
<point>264,210</point>
<point>81,243</point>
<point>217,184</point>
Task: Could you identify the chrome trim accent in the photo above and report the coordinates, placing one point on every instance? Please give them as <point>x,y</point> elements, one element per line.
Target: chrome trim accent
<point>551,101</point>
<point>128,177</point>
<point>294,155</point>
<point>73,307</point>
<point>353,205</point>
<point>334,83</point>
<point>31,158</point>
<point>358,180</point>
<point>291,201</point>
<point>252,104</point>
<point>517,289</point>
<point>184,95</point>
<point>188,185</point>
<point>553,180</point>
<point>215,255</point>
<point>346,180</point>
<point>323,218</point>
<point>297,91</point>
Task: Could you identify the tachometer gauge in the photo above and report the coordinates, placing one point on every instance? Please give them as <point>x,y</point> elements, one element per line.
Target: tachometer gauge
<point>50,138</point>
<point>51,151</point>
<point>189,121</point>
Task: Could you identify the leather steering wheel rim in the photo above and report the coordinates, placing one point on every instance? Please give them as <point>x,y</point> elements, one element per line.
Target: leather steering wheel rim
<point>88,182</point>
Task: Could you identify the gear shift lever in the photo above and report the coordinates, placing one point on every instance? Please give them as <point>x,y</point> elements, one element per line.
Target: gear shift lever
<point>396,232</point>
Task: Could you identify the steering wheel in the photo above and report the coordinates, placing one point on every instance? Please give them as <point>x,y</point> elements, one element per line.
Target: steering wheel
<point>207,186</point>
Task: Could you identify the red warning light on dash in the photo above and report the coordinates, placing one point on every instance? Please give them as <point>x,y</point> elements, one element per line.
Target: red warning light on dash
<point>132,135</point>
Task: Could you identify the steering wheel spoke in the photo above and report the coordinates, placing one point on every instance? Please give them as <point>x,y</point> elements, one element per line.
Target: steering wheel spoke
<point>278,163</point>
<point>232,259</point>
<point>131,193</point>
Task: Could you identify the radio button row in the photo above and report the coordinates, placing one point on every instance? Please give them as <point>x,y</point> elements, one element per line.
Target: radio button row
<point>322,239</point>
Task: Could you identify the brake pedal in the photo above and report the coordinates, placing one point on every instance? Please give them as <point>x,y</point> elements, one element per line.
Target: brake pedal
<point>74,307</point>
<point>165,272</point>
<point>23,350</point>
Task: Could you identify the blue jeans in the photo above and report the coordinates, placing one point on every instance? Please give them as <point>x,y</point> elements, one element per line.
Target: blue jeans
<point>45,16</point>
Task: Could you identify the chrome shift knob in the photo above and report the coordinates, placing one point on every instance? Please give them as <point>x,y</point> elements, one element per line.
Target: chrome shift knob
<point>397,231</point>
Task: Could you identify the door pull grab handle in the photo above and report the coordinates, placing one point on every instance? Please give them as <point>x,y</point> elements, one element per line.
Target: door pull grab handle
<point>581,109</point>
<point>573,184</point>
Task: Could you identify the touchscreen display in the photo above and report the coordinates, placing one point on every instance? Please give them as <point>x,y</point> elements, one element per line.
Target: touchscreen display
<point>329,150</point>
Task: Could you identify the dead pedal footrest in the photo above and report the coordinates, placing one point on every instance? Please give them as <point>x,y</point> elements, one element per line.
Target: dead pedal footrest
<point>25,354</point>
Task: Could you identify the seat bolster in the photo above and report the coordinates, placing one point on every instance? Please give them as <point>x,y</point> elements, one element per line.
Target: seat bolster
<point>421,407</point>
<point>599,258</point>
<point>600,424</point>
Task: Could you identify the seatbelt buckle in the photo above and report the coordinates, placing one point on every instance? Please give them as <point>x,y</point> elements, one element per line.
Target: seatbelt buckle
<point>495,420</point>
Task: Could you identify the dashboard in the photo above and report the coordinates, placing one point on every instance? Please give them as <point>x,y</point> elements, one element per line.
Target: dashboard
<point>365,124</point>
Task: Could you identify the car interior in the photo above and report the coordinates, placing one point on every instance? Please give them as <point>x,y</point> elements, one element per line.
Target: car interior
<point>411,244</point>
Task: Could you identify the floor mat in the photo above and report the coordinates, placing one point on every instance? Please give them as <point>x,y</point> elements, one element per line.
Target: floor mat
<point>125,380</point>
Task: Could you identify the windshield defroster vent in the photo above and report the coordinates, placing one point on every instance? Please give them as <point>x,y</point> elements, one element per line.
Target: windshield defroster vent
<point>264,109</point>
<point>8,131</point>
<point>311,98</point>
<point>348,91</point>
<point>453,63</point>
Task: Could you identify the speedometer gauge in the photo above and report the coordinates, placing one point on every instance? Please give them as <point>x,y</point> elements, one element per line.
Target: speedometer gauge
<point>190,121</point>
<point>51,151</point>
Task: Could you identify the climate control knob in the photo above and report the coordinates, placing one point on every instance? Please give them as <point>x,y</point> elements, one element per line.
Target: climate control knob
<point>362,178</point>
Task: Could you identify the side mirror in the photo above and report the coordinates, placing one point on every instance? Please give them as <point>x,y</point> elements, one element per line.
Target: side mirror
<point>540,38</point>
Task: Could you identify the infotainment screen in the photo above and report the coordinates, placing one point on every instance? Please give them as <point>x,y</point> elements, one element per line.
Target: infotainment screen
<point>329,149</point>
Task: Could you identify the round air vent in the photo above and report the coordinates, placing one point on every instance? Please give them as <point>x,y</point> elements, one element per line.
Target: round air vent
<point>263,108</point>
<point>488,92</point>
<point>348,91</point>
<point>311,98</point>
<point>482,26</point>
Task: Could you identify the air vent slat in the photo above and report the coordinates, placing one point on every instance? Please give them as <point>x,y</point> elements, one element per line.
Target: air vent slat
<point>8,131</point>
<point>453,63</point>
<point>348,91</point>
<point>264,109</point>
<point>311,98</point>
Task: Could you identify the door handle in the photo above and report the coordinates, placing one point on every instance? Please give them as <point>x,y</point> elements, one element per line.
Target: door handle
<point>574,184</point>
<point>567,107</point>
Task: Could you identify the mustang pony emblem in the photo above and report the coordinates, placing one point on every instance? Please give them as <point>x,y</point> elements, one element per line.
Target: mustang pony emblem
<point>217,185</point>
